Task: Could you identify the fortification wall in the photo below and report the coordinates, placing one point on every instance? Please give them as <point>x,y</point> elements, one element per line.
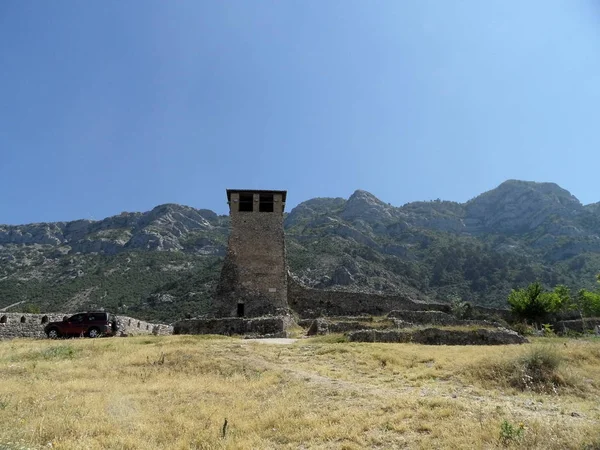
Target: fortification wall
<point>274,326</point>
<point>21,325</point>
<point>311,303</point>
<point>129,326</point>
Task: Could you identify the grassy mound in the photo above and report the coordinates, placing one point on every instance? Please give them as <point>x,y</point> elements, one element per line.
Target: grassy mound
<point>541,368</point>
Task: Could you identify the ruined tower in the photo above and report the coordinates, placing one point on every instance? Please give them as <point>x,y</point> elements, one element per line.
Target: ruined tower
<point>254,276</point>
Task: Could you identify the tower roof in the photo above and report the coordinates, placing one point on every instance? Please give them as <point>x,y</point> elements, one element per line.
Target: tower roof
<point>255,191</point>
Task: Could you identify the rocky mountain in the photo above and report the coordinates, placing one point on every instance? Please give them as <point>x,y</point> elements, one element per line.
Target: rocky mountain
<point>165,263</point>
<point>159,229</point>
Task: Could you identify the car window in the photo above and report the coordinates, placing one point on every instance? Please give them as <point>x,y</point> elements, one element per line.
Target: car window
<point>97,316</point>
<point>76,318</point>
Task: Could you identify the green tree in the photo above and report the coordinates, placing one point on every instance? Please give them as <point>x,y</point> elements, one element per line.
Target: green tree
<point>460,309</point>
<point>563,300</point>
<point>532,303</point>
<point>588,303</point>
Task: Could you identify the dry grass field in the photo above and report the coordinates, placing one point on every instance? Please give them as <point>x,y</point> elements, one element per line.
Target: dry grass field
<point>176,392</point>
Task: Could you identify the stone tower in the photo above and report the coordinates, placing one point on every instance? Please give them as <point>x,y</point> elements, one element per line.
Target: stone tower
<point>254,277</point>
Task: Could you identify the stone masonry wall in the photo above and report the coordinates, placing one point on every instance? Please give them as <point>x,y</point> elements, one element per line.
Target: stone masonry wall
<point>129,326</point>
<point>578,325</point>
<point>435,318</point>
<point>16,325</point>
<point>312,303</point>
<point>21,325</point>
<point>254,270</point>
<point>437,336</point>
<point>274,326</point>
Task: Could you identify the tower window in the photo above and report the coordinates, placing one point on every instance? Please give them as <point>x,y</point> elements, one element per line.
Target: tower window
<point>240,310</point>
<point>266,203</point>
<point>246,202</point>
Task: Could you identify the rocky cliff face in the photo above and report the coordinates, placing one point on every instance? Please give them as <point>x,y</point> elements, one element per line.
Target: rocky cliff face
<point>593,208</point>
<point>520,206</point>
<point>514,234</point>
<point>159,229</point>
<point>479,250</point>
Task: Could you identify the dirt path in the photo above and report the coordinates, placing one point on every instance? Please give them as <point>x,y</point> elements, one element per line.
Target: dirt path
<point>526,406</point>
<point>10,306</point>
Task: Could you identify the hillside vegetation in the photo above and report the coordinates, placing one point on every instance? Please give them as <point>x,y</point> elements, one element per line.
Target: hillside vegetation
<point>164,264</point>
<point>203,392</point>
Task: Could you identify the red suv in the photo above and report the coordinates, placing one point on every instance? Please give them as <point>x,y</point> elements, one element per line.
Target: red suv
<point>90,324</point>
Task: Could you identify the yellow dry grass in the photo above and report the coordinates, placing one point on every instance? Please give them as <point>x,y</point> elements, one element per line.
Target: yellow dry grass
<point>176,392</point>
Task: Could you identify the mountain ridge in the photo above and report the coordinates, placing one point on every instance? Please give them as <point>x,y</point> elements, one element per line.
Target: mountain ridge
<point>516,233</point>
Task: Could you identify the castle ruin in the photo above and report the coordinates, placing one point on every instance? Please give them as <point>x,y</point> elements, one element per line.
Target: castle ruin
<point>257,295</point>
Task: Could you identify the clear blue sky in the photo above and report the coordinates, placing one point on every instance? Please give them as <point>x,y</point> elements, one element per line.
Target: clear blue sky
<point>114,106</point>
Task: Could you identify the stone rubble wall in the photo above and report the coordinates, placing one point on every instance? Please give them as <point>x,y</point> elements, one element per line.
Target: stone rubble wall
<point>397,320</point>
<point>579,326</point>
<point>21,325</point>
<point>273,326</point>
<point>437,336</point>
<point>497,313</point>
<point>436,318</point>
<point>325,326</point>
<point>310,303</point>
<point>129,326</point>
<point>306,323</point>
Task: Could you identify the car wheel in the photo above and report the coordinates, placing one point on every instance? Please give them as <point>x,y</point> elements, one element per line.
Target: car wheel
<point>93,333</point>
<point>53,333</point>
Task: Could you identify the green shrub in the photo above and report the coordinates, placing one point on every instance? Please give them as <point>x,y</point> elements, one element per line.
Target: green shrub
<point>523,329</point>
<point>510,432</point>
<point>548,331</point>
<point>55,352</point>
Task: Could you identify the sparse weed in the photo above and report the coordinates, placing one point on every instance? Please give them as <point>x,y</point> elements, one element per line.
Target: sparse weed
<point>537,370</point>
<point>333,338</point>
<point>385,359</point>
<point>51,353</point>
<point>592,445</point>
<point>331,349</point>
<point>510,433</point>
